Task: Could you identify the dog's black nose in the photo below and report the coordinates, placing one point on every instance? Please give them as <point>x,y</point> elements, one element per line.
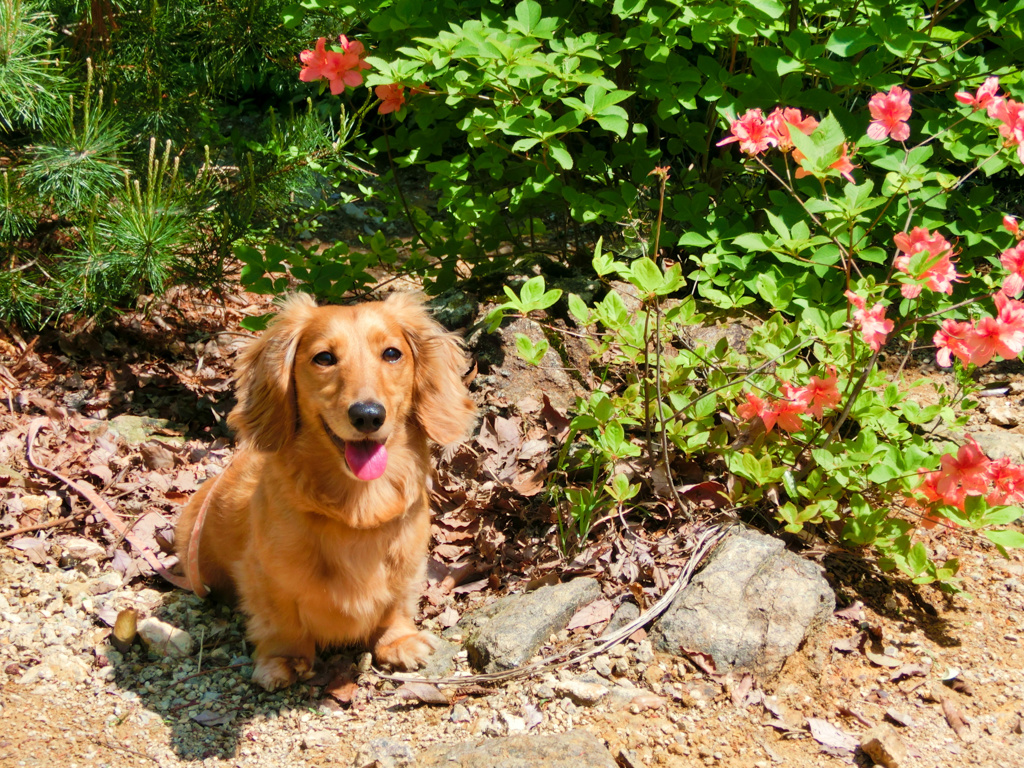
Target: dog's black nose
<point>367,416</point>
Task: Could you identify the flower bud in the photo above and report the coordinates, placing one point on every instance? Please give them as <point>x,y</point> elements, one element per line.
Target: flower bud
<point>1010,225</point>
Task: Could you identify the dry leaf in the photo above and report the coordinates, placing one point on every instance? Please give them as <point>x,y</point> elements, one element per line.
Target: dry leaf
<point>900,719</point>
<point>449,617</point>
<point>342,688</point>
<point>424,693</point>
<point>828,735</point>
<point>881,659</point>
<point>210,719</point>
<point>594,613</point>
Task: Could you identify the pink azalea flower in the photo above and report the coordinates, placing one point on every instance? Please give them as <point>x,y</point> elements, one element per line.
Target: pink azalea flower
<point>856,300</point>
<point>988,92</point>
<point>315,62</point>
<point>1013,261</point>
<point>1007,483</point>
<point>889,113</point>
<point>816,396</point>
<point>968,470</point>
<point>340,68</point>
<point>1001,335</point>
<point>951,339</point>
<point>1011,114</point>
<point>754,407</point>
<point>753,132</point>
<point>873,325</point>
<point>392,97</point>
<point>843,164</point>
<point>782,118</point>
<point>1010,225</point>
<point>939,272</point>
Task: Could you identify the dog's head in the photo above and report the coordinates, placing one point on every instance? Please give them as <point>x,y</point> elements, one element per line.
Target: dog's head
<point>357,373</point>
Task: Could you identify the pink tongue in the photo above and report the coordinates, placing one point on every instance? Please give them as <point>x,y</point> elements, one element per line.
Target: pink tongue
<point>366,459</point>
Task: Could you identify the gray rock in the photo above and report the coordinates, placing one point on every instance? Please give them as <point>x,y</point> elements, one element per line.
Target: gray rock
<point>565,750</point>
<point>442,661</point>
<point>625,613</point>
<point>460,714</point>
<point>750,607</point>
<point>1000,443</point>
<point>580,692</point>
<point>519,379</point>
<point>384,753</point>
<point>509,632</point>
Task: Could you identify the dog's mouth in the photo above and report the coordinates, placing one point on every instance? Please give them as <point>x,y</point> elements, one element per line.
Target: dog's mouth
<point>366,459</point>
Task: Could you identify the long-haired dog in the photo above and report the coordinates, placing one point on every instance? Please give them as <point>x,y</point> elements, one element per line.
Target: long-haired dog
<point>320,524</point>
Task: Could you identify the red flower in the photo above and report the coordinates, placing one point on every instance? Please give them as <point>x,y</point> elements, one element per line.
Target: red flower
<point>986,94</point>
<point>951,339</point>
<point>843,164</point>
<point>315,62</point>
<point>781,119</point>
<point>1011,114</point>
<point>391,97</point>
<point>968,470</point>
<point>1007,483</point>
<point>753,132</point>
<point>340,68</point>
<point>1013,260</point>
<point>873,325</point>
<point>1001,335</point>
<point>939,272</point>
<point>755,406</point>
<point>889,113</point>
<point>1010,225</point>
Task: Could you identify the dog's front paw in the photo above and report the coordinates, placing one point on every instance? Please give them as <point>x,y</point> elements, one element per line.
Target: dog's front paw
<point>408,652</point>
<point>276,672</point>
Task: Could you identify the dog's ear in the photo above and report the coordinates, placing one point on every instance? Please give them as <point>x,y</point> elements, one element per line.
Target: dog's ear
<point>266,415</point>
<point>440,399</point>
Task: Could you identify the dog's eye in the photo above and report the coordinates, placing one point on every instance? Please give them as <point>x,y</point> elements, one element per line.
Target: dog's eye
<point>325,359</point>
<point>392,355</point>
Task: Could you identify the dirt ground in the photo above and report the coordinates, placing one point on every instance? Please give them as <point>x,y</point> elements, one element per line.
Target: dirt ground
<point>946,673</point>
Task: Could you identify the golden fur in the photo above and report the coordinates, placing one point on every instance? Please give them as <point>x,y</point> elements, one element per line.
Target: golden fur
<point>315,555</point>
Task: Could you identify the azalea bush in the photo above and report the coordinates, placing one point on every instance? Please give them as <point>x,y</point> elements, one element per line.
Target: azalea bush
<point>803,419</point>
<point>538,124</point>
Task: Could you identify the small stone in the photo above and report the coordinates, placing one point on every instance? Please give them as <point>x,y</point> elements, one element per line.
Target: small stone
<point>603,666</point>
<point>883,745</point>
<point>544,691</point>
<point>460,714</point>
<point>621,668</point>
<point>164,639</point>
<point>644,652</point>
<point>564,750</point>
<point>584,694</point>
<point>1002,414</point>
<point>83,549</point>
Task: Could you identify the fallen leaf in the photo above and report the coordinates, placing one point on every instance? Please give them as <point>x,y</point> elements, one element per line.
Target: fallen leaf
<point>210,719</point>
<point>34,549</point>
<point>910,670</point>
<point>593,613</point>
<point>828,735</point>
<point>424,693</point>
<point>882,660</point>
<point>853,612</point>
<point>156,455</point>
<point>556,419</point>
<point>342,688</point>
<point>449,617</point>
<point>849,644</point>
<point>900,719</point>
<point>101,473</point>
<point>739,693</point>
<point>473,586</point>
<point>955,717</point>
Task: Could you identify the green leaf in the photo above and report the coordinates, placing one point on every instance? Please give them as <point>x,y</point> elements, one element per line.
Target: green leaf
<point>851,40</point>
<point>560,153</point>
<point>528,14</point>
<point>1005,538</point>
<point>530,352</point>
